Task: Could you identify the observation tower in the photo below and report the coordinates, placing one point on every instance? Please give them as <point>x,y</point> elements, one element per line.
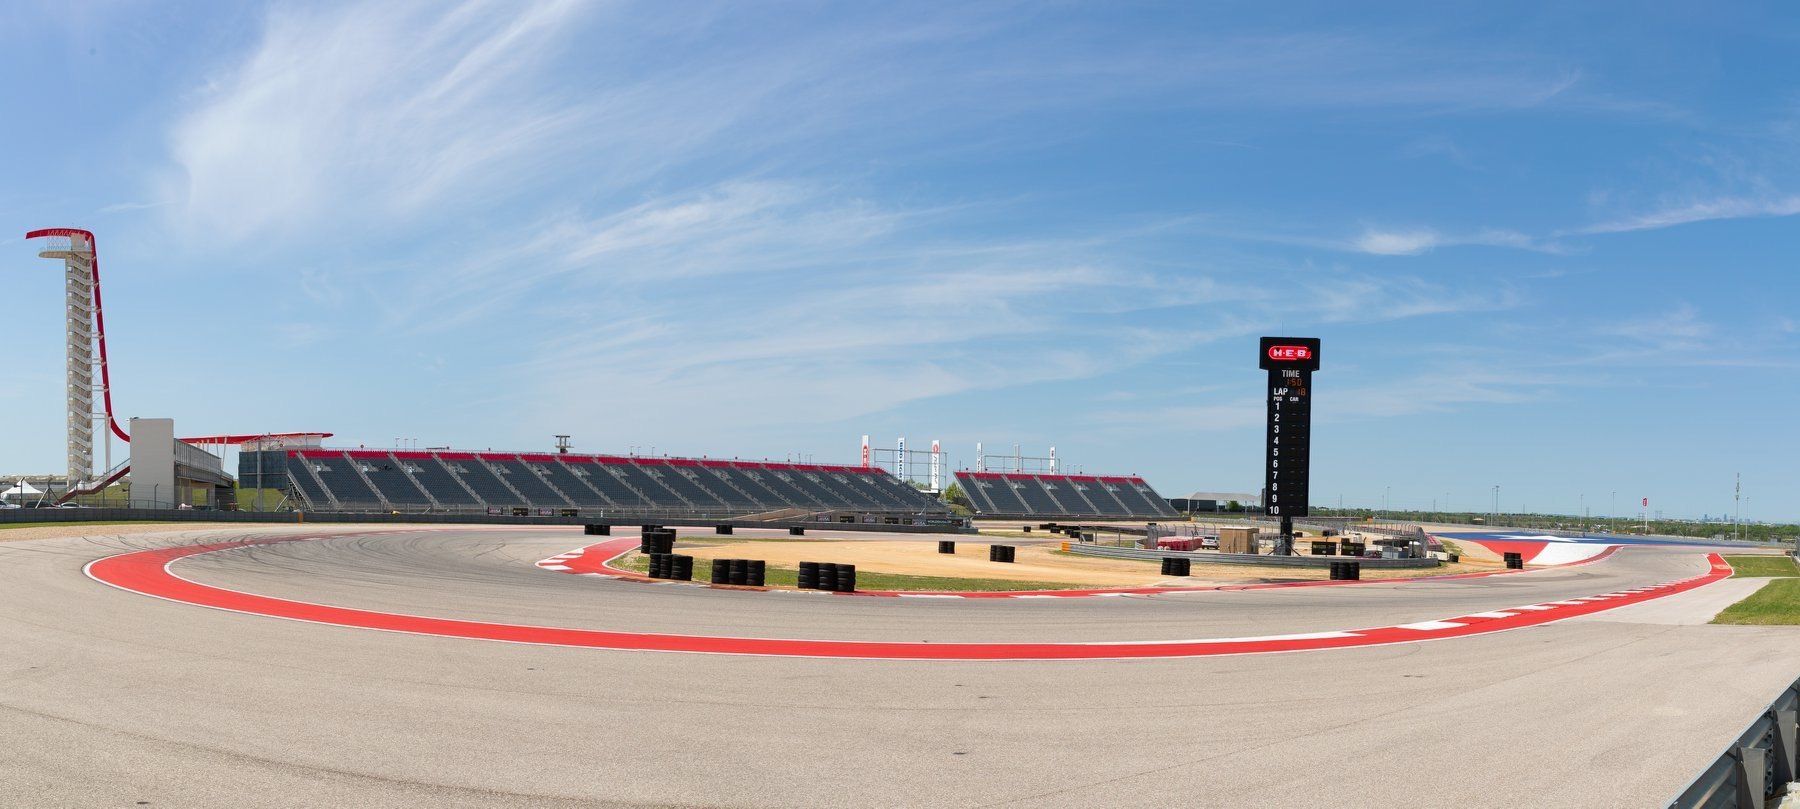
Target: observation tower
<point>86,326</point>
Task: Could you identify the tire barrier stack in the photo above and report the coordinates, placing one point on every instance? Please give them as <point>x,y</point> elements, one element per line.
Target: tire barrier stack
<point>796,531</point>
<point>1346,571</point>
<point>828,576</point>
<point>1177,566</point>
<point>671,566</point>
<point>1354,548</point>
<point>1025,528</point>
<point>1324,549</point>
<point>657,540</point>
<point>722,529</point>
<point>1514,560</point>
<point>1001,553</point>
<point>597,530</point>
<point>741,572</point>
<point>946,546</point>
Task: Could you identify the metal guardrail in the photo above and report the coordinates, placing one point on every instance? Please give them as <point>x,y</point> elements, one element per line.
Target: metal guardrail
<point>1755,768</point>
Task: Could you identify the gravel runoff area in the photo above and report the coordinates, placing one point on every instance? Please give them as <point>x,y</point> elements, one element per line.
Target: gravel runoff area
<point>1036,561</point>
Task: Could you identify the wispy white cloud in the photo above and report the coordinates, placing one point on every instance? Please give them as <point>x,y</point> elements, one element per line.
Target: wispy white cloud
<point>369,116</point>
<point>1397,243</point>
<point>1677,337</point>
<point>1680,327</point>
<point>1418,241</point>
<point>1701,210</point>
<point>122,207</point>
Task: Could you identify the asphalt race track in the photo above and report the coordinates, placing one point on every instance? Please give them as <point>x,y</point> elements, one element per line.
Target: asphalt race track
<point>115,698</point>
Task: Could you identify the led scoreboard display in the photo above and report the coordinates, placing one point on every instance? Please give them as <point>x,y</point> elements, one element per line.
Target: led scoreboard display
<point>1290,362</point>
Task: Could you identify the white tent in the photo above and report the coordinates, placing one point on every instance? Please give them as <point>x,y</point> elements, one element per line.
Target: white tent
<point>22,490</point>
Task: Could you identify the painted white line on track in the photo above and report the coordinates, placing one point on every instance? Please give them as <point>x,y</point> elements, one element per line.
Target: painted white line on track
<point>1256,639</point>
<point>1430,626</point>
<point>1494,614</point>
<point>1534,608</point>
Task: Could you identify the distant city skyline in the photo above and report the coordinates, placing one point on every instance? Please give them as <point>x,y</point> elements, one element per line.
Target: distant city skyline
<point>1546,248</point>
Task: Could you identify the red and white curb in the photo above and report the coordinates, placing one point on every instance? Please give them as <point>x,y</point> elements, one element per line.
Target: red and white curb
<point>598,560</point>
<point>148,572</point>
<point>1542,549</point>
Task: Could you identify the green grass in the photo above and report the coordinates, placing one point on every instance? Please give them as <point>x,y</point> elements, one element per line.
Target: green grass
<point>1761,566</point>
<point>789,577</point>
<point>1776,604</point>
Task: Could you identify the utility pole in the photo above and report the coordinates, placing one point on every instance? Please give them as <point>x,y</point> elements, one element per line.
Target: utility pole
<point>1737,508</point>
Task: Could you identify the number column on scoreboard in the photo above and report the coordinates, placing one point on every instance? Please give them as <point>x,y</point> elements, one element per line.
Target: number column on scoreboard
<point>1290,362</point>
<point>1289,442</point>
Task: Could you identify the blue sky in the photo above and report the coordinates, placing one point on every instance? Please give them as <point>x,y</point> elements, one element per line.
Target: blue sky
<point>1550,248</point>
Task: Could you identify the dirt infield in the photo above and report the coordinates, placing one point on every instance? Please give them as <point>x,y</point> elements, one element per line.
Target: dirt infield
<point>1036,562</point>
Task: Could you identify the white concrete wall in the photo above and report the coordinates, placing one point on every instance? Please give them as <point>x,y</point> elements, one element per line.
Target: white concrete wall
<point>153,463</point>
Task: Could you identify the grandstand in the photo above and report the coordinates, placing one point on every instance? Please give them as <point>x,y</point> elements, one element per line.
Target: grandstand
<point>566,484</point>
<point>1027,495</point>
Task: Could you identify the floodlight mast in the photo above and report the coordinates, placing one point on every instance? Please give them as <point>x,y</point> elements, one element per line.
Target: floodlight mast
<point>86,345</point>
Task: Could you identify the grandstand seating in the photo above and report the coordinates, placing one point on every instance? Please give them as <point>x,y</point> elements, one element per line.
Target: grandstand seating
<point>338,474</point>
<point>528,483</point>
<point>565,480</point>
<point>384,472</point>
<point>1012,494</point>
<point>437,480</point>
